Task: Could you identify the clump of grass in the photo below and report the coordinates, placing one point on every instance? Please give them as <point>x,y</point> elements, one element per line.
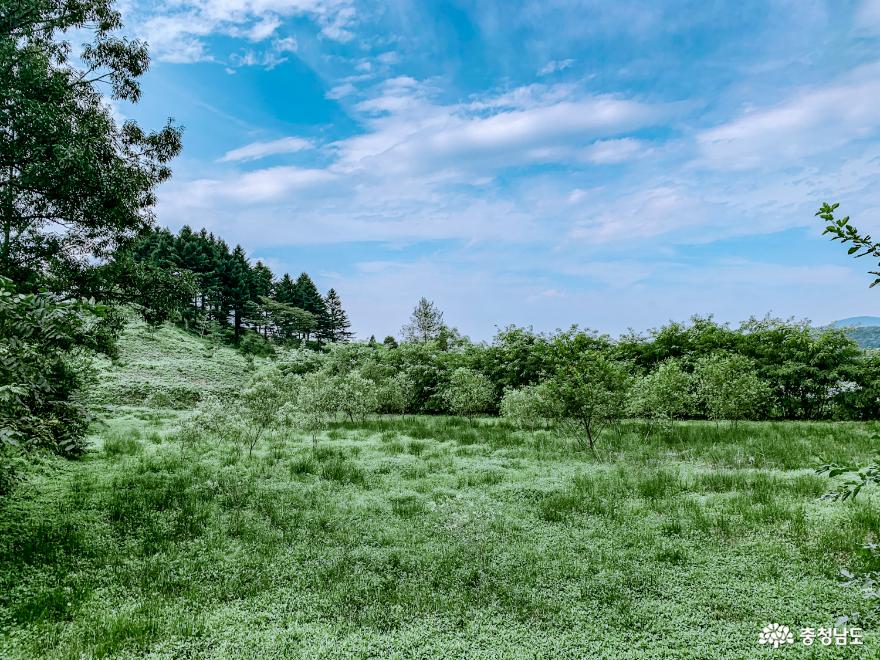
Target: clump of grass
<point>118,443</point>
<point>407,506</point>
<point>342,471</point>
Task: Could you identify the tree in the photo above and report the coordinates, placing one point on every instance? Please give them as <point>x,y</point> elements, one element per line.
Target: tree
<point>355,395</point>
<point>261,401</point>
<point>290,321</point>
<point>396,394</point>
<point>425,323</point>
<point>74,184</point>
<point>314,405</point>
<point>468,392</point>
<point>42,338</point>
<point>390,342</point>
<point>588,392</point>
<point>338,326</point>
<point>161,294</point>
<point>238,286</point>
<point>842,230</point>
<point>729,388</point>
<point>663,395</point>
<point>307,297</point>
<point>526,406</point>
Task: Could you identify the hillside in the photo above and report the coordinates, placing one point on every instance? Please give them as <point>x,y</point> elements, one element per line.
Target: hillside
<point>865,330</point>
<point>166,368</point>
<point>857,322</point>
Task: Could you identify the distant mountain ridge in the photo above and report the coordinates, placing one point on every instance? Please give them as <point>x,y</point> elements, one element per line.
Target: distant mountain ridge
<point>857,322</point>
<point>864,330</point>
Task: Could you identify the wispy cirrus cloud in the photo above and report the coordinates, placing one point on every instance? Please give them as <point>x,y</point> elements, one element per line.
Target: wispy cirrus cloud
<point>810,121</point>
<point>178,32</point>
<point>555,66</point>
<point>257,150</point>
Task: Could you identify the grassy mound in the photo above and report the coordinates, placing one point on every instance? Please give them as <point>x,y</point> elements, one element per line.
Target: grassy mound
<point>167,368</point>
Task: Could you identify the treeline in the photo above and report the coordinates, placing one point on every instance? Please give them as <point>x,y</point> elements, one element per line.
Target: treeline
<point>790,369</point>
<point>195,278</point>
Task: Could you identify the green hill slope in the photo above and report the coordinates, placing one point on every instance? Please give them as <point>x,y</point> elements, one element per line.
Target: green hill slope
<point>166,367</point>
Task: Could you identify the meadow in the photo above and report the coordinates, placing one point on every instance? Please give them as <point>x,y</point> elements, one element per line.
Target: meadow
<point>424,536</point>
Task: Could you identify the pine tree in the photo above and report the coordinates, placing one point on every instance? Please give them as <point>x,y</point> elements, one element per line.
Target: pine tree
<point>306,296</point>
<point>285,290</point>
<point>425,323</point>
<point>338,326</point>
<point>261,286</point>
<point>238,286</point>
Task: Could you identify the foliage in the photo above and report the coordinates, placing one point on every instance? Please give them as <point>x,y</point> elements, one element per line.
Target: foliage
<point>355,396</point>
<point>841,229</point>
<point>729,388</point>
<point>160,294</point>
<point>468,392</point>
<point>396,394</point>
<point>254,344</point>
<point>425,323</point>
<point>526,406</point>
<point>314,404</point>
<point>856,478</point>
<point>75,183</point>
<point>588,391</point>
<point>42,341</point>
<point>261,401</point>
<point>663,395</point>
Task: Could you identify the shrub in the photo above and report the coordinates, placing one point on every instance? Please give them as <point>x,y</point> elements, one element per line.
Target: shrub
<point>663,395</point>
<point>588,392</point>
<point>355,396</point>
<point>253,344</point>
<point>261,401</point>
<point>396,394</point>
<point>43,343</point>
<point>526,406</point>
<point>313,405</point>
<point>729,388</point>
<point>468,392</point>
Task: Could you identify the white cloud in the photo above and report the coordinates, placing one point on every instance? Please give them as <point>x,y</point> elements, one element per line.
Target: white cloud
<point>257,150</point>
<point>286,45</point>
<point>176,32</point>
<point>606,152</point>
<point>810,122</point>
<point>554,66</point>
<point>409,133</point>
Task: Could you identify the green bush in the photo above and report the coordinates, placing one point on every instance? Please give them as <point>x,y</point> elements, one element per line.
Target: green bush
<point>255,345</point>
<point>44,344</point>
<point>728,387</point>
<point>664,395</point>
<point>468,392</point>
<point>527,406</point>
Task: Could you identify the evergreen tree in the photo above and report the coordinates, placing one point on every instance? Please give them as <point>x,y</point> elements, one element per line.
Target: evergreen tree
<point>425,323</point>
<point>285,290</point>
<point>306,296</point>
<point>338,325</point>
<point>238,286</point>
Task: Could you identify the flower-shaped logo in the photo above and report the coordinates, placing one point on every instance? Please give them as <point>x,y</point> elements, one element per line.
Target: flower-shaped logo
<point>775,635</point>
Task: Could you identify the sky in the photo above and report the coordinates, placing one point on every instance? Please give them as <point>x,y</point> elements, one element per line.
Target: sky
<point>613,164</point>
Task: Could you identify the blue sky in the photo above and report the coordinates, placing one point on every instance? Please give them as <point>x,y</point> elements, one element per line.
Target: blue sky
<point>610,164</point>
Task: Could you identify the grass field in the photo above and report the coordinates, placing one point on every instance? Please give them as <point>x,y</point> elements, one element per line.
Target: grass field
<point>433,537</point>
